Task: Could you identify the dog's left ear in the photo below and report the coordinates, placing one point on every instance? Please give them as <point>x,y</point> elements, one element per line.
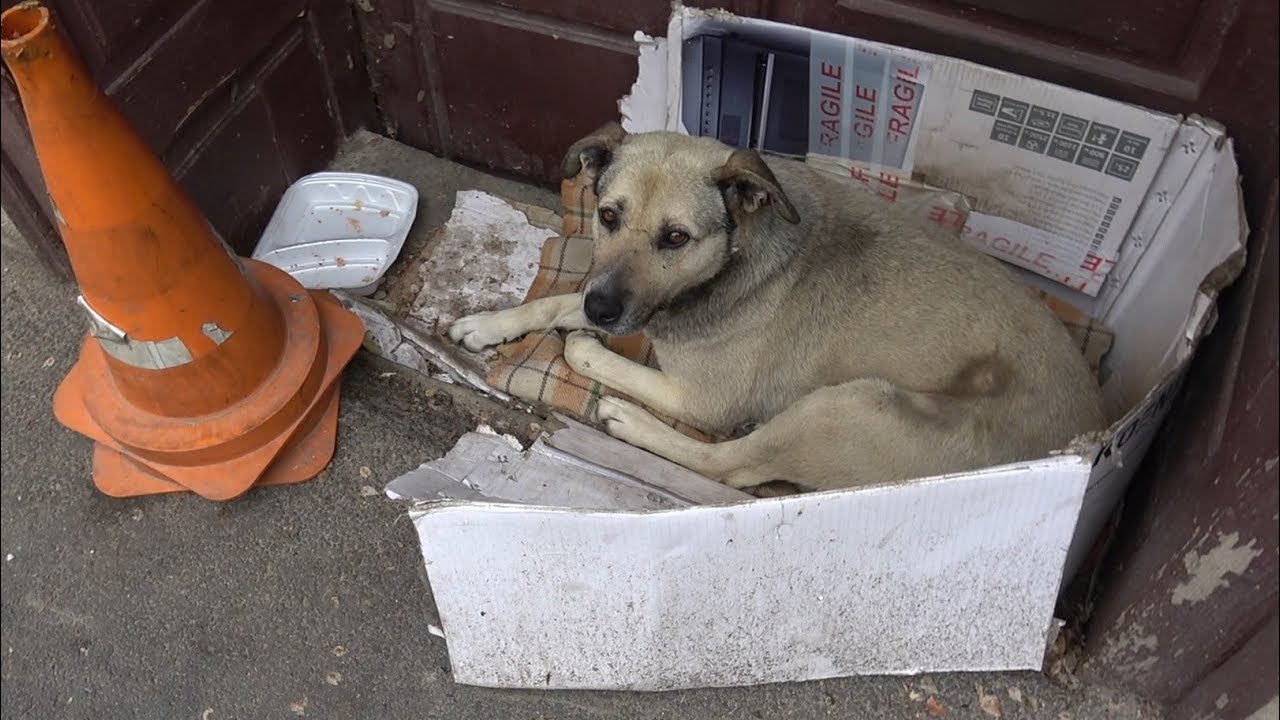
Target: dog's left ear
<point>747,184</point>
<point>593,152</point>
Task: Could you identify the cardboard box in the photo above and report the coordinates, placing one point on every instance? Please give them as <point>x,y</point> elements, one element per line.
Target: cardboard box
<point>952,573</point>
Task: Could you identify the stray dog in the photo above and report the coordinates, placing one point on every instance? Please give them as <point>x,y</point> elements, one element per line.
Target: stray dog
<point>867,346</point>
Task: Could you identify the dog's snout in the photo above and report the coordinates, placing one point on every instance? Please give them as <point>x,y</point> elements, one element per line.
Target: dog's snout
<point>602,308</point>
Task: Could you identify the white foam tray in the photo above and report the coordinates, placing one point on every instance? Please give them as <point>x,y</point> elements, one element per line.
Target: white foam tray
<point>339,230</point>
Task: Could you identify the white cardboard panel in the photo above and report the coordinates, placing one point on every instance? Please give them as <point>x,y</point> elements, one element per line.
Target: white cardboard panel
<point>956,573</point>
<point>644,109</point>
<point>1156,318</point>
<point>1192,143</point>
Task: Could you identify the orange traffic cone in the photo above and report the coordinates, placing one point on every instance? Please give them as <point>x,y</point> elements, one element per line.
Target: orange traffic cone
<point>201,371</point>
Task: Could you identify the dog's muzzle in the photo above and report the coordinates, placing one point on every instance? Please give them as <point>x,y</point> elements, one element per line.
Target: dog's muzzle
<point>602,308</point>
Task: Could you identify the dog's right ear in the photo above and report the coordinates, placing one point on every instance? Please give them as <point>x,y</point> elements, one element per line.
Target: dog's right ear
<point>747,185</point>
<point>593,152</point>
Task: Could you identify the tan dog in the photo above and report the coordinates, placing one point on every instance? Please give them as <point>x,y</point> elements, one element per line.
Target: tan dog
<point>869,347</point>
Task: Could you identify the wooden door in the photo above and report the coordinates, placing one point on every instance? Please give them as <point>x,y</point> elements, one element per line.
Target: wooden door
<point>238,98</point>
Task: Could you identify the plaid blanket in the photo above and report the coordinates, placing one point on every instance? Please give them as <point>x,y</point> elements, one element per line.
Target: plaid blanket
<point>533,368</point>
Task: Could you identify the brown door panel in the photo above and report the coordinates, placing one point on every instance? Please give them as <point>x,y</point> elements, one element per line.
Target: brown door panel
<point>507,85</point>
<point>1113,48</point>
<point>1114,26</point>
<point>270,135</point>
<point>507,125</point>
<point>206,50</point>
<point>238,97</point>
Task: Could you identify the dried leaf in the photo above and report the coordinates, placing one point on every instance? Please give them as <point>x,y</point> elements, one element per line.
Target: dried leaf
<point>368,491</point>
<point>333,677</point>
<point>365,472</point>
<point>928,687</point>
<point>207,714</point>
<point>339,651</point>
<point>1015,694</point>
<point>299,707</point>
<point>989,703</point>
<point>935,708</point>
<point>915,695</point>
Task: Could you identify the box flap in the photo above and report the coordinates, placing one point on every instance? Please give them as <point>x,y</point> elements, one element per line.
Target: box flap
<point>954,573</point>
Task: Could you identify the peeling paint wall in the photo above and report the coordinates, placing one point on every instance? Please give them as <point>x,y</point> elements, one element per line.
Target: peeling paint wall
<point>1208,572</point>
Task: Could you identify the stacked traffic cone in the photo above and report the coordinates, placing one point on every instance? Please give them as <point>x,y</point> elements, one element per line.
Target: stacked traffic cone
<point>202,371</point>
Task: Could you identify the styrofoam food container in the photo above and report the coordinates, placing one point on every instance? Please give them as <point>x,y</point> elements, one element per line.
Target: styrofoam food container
<point>339,230</point>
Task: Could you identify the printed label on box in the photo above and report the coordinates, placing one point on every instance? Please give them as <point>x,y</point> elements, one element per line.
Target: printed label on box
<point>1055,176</point>
<point>1066,170</point>
<point>1040,251</point>
<point>864,102</point>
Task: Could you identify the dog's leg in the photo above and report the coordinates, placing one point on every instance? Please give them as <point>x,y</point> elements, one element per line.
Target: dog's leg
<point>635,425</point>
<point>481,330</point>
<point>587,356</point>
<point>859,433</point>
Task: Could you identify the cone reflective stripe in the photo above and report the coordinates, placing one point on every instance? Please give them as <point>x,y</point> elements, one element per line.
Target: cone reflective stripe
<point>201,371</point>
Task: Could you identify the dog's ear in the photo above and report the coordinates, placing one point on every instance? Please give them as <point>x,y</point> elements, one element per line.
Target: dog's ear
<point>593,152</point>
<point>747,184</point>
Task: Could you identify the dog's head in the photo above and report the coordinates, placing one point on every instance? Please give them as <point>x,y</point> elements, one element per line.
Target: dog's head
<point>668,209</point>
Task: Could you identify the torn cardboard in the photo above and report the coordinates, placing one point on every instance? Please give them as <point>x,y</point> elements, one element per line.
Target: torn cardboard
<point>486,259</point>
<point>573,467</point>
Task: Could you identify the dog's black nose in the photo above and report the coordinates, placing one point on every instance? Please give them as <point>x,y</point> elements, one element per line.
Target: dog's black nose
<point>602,308</point>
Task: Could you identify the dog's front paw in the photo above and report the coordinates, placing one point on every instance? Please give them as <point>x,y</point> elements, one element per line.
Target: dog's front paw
<point>627,421</point>
<point>579,349</point>
<point>481,330</point>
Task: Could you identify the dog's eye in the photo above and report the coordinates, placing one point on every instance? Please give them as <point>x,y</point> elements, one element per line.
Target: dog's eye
<point>674,239</point>
<point>609,217</point>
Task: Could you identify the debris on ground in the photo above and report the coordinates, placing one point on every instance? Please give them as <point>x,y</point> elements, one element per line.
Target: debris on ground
<point>1063,659</point>
<point>989,703</point>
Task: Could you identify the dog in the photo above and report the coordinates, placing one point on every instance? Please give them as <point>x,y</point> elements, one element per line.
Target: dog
<point>866,346</point>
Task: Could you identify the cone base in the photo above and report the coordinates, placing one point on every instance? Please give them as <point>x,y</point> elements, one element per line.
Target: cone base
<point>295,455</point>
<point>117,475</point>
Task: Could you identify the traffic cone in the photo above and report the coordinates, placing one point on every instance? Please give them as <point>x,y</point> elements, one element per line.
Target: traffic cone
<point>201,371</point>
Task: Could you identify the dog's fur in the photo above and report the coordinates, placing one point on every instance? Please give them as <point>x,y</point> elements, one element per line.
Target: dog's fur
<point>868,346</point>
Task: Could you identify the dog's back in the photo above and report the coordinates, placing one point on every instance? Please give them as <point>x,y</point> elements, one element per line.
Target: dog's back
<point>871,292</point>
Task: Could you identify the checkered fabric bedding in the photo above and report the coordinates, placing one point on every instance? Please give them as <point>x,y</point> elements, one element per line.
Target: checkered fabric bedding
<point>533,368</point>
